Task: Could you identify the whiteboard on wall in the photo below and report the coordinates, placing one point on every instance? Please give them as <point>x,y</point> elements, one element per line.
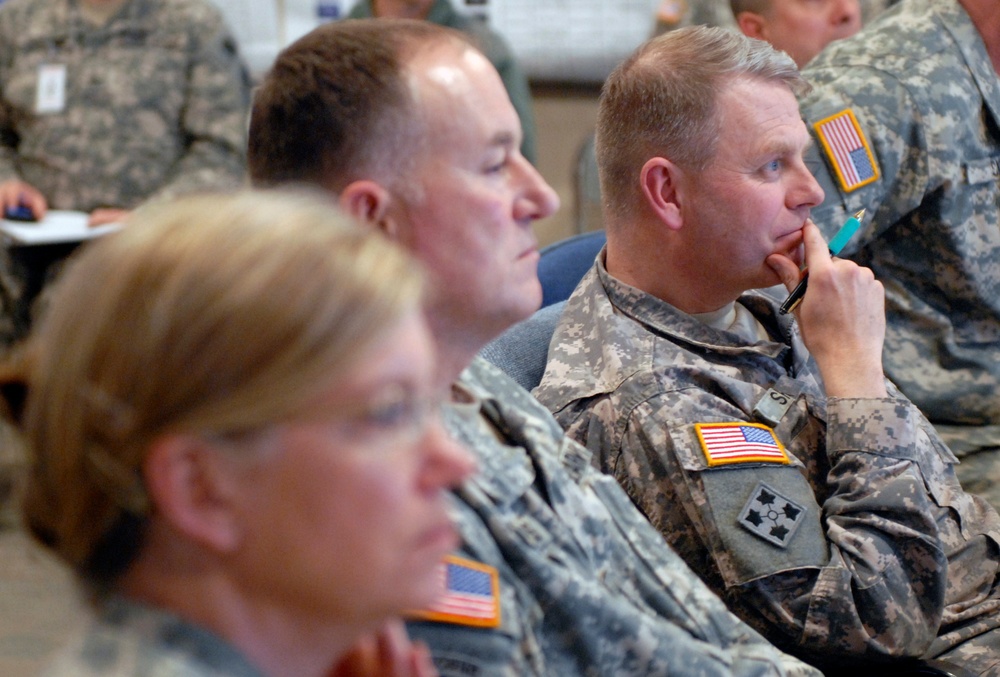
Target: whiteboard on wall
<point>264,27</point>
<point>569,40</point>
<point>557,40</point>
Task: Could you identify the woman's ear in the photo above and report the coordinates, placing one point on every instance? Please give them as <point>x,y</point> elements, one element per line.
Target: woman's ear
<point>193,487</point>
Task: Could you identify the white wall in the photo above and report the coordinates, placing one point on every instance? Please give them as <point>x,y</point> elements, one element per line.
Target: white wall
<point>555,40</point>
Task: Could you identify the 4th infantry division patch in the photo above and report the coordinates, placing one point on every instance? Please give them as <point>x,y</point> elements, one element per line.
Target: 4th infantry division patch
<point>771,516</point>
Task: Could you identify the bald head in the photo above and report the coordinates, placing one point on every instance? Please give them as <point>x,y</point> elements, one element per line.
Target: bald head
<point>336,105</point>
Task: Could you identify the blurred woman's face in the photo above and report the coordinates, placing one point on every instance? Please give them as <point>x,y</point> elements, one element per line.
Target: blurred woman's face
<point>346,514</point>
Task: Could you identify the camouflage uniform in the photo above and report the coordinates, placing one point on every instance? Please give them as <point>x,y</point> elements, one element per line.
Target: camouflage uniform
<point>155,105</point>
<point>875,550</point>
<point>496,50</point>
<point>927,100</point>
<point>128,639</point>
<point>587,587</point>
<point>156,102</point>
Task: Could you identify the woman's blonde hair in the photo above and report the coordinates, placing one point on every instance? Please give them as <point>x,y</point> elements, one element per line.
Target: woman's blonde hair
<point>215,315</point>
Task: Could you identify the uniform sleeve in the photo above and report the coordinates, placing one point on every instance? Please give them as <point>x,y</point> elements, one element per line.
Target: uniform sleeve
<point>737,648</point>
<point>215,115</point>
<point>507,650</point>
<point>890,126</point>
<point>857,567</point>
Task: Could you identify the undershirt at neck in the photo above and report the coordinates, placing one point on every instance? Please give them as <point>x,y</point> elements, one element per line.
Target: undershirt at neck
<point>734,317</point>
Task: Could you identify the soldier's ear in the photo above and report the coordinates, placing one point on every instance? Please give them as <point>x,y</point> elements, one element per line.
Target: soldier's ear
<point>660,182</point>
<point>752,25</point>
<point>369,202</point>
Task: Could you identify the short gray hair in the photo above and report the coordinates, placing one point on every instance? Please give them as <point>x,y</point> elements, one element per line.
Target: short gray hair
<point>661,101</point>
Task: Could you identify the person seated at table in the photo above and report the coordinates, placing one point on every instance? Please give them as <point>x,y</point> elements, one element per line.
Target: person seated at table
<point>236,442</point>
<point>105,104</point>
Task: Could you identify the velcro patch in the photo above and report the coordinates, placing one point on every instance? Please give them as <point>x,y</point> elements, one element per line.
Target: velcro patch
<point>848,150</point>
<point>725,443</point>
<point>771,516</point>
<point>470,594</point>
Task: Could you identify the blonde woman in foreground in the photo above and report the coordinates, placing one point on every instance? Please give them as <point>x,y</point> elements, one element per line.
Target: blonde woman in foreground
<point>236,443</point>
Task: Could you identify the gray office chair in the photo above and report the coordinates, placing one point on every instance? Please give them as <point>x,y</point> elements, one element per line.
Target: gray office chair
<point>522,350</point>
<point>587,189</point>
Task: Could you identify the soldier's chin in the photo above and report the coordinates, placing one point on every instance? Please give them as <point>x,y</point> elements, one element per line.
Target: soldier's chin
<point>796,254</point>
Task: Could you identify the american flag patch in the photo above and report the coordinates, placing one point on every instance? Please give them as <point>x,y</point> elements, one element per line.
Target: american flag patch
<point>470,594</point>
<point>725,443</point>
<point>847,149</point>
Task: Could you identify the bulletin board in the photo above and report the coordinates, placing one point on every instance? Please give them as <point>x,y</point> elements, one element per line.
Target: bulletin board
<point>554,40</point>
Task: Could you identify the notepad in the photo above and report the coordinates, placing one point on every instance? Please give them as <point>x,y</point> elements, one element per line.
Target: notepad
<point>58,226</point>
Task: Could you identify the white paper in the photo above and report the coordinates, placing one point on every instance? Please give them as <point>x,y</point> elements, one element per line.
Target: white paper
<point>57,226</point>
<point>264,27</point>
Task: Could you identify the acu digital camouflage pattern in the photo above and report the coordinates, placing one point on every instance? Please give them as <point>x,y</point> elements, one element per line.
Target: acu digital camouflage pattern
<point>156,102</point>
<point>891,557</point>
<point>127,639</point>
<point>587,587</point>
<point>926,96</point>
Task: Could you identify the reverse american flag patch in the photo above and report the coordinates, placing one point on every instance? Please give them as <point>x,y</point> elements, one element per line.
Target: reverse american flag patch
<point>470,594</point>
<point>725,443</point>
<point>848,150</point>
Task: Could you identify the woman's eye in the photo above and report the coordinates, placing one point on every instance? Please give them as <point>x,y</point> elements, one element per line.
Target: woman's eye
<point>392,414</point>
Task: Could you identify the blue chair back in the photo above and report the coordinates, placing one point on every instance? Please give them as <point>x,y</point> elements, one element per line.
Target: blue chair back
<point>563,263</point>
<point>522,350</point>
